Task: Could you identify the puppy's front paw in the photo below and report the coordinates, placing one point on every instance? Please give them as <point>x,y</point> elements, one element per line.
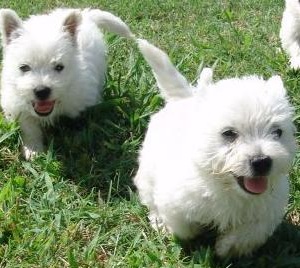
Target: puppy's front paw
<point>224,246</point>
<point>30,152</point>
<point>32,137</point>
<point>232,246</point>
<point>157,223</point>
<point>295,63</point>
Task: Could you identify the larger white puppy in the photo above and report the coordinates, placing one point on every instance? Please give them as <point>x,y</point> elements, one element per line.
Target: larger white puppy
<point>290,31</point>
<point>53,65</point>
<point>217,155</point>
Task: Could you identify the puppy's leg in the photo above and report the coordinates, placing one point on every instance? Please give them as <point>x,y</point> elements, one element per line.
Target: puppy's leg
<point>179,226</point>
<point>244,239</point>
<point>294,51</point>
<point>156,222</point>
<point>32,137</point>
<point>174,225</point>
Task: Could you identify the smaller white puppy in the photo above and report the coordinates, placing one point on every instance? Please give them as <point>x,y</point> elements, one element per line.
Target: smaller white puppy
<point>218,155</point>
<point>53,64</point>
<point>290,31</point>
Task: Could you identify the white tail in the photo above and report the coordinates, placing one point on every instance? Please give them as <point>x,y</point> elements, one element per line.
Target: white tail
<point>109,22</point>
<point>171,82</point>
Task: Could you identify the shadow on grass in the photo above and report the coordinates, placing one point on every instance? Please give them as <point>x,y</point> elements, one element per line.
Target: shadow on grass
<point>282,250</point>
<point>95,152</point>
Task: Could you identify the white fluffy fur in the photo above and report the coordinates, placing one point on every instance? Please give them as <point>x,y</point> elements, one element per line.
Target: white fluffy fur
<point>290,32</point>
<point>185,174</point>
<point>65,36</point>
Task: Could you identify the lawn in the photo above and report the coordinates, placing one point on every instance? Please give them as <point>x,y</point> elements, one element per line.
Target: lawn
<point>75,205</point>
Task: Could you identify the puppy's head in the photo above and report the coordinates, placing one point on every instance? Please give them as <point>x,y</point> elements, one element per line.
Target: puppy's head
<point>40,59</point>
<point>248,135</point>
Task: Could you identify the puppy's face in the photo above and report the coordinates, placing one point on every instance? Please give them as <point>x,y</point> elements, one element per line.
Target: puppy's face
<point>39,63</point>
<point>249,135</point>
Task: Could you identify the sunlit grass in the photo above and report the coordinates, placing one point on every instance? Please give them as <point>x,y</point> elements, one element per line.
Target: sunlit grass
<point>75,205</point>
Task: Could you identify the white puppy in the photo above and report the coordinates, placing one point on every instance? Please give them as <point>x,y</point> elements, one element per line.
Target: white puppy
<point>53,65</point>
<point>290,31</point>
<point>217,154</point>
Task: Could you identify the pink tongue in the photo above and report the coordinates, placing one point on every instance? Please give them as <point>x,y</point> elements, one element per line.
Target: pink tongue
<point>44,106</point>
<point>256,185</point>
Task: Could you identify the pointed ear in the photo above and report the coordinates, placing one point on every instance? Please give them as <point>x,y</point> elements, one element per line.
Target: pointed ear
<point>205,78</point>
<point>9,24</point>
<point>172,83</point>
<point>71,23</point>
<point>276,86</point>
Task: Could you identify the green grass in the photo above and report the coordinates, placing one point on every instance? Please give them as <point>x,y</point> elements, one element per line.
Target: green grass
<point>75,206</point>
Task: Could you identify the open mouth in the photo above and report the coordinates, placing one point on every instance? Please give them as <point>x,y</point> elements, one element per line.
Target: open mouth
<point>43,107</point>
<point>253,185</point>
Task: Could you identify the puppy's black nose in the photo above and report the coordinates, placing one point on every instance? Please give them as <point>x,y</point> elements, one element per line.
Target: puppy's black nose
<point>261,165</point>
<point>42,93</point>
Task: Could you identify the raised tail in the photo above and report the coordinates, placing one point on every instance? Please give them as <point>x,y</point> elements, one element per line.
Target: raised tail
<point>171,82</point>
<point>109,22</point>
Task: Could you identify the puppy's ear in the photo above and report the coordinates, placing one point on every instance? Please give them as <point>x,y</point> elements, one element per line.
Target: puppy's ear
<point>71,23</point>
<point>172,84</point>
<point>10,23</point>
<point>109,22</point>
<point>275,85</point>
<point>205,78</point>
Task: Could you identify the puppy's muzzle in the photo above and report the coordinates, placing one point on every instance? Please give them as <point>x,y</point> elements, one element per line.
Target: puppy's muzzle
<point>43,105</point>
<point>261,165</point>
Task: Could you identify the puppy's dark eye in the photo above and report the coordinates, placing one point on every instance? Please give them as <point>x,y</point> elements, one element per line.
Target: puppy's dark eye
<point>277,133</point>
<point>25,68</point>
<point>59,67</point>
<point>230,135</point>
